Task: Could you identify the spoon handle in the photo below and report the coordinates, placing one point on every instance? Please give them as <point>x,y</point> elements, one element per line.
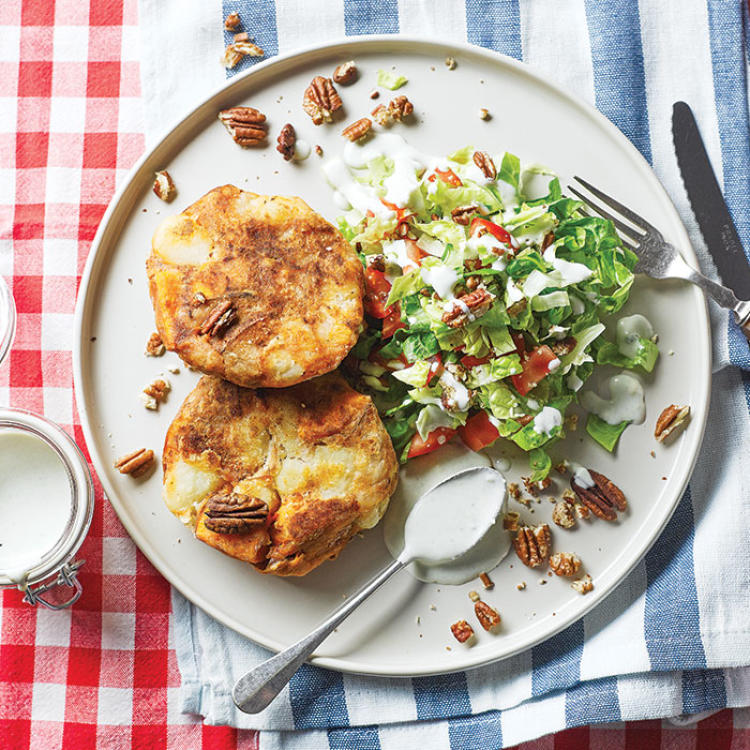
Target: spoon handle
<point>255,690</point>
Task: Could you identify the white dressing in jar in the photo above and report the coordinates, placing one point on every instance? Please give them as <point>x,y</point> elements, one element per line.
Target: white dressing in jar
<point>476,500</point>
<point>35,501</point>
<point>626,402</point>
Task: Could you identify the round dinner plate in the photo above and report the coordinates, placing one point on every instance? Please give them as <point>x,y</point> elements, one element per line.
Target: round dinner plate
<point>404,628</point>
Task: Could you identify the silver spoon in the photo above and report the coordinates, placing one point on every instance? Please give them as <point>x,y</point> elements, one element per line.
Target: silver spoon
<point>254,691</point>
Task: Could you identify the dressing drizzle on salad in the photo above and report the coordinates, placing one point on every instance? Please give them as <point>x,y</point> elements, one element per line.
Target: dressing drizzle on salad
<point>483,304</point>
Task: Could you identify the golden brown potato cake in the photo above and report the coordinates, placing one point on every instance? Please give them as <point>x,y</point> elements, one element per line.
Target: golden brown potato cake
<point>258,289</point>
<point>279,478</point>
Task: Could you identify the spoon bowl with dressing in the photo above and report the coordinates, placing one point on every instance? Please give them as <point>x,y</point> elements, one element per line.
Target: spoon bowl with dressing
<point>437,529</point>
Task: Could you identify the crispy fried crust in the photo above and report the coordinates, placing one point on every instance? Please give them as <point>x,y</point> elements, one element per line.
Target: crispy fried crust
<point>294,283</point>
<point>317,454</point>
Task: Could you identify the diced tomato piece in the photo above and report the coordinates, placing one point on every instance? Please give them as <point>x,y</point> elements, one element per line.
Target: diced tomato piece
<point>436,439</point>
<point>478,432</point>
<point>448,176</point>
<point>470,361</point>
<point>392,322</point>
<point>535,369</point>
<point>377,289</point>
<point>500,234</point>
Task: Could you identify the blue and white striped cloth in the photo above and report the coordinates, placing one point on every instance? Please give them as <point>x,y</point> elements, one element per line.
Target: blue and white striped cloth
<point>674,638</point>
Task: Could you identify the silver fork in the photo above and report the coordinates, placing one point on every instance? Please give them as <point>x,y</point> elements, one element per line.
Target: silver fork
<point>657,257</point>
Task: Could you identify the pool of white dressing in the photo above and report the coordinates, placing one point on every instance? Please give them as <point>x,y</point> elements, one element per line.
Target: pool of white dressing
<point>35,501</point>
<point>454,528</point>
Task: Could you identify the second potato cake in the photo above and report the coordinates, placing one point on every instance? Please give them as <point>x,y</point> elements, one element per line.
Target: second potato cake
<point>260,290</point>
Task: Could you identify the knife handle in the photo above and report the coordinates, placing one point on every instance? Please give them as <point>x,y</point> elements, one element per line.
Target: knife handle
<point>742,316</point>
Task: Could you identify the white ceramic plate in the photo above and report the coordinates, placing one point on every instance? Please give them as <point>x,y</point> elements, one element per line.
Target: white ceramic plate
<point>530,118</point>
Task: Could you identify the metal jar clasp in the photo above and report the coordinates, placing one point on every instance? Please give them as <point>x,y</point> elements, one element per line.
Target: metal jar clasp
<point>67,576</point>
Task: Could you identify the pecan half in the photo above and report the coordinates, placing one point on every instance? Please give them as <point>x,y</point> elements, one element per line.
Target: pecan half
<point>163,186</point>
<point>135,463</point>
<point>488,617</point>
<point>565,564</point>
<point>563,515</point>
<point>232,21</point>
<point>155,346</point>
<point>483,160</point>
<point>358,129</point>
<point>462,631</point>
<point>532,544</point>
<point>219,319</point>
<point>286,140</point>
<point>321,100</point>
<point>345,73</point>
<point>462,214</point>
<point>235,513</point>
<point>467,307</point>
<point>604,499</point>
<point>400,107</point>
<point>245,124</point>
<point>670,421</point>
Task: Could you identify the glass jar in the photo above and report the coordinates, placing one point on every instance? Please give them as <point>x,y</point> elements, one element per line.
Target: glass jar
<point>46,497</point>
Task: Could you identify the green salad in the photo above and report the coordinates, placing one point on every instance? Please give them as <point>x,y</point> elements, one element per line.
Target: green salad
<point>484,301</point>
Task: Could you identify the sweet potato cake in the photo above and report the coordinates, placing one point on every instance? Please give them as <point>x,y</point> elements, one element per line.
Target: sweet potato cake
<point>283,478</point>
<point>258,289</point>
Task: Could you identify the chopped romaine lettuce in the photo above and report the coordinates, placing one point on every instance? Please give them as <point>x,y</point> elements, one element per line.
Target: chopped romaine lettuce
<point>391,80</point>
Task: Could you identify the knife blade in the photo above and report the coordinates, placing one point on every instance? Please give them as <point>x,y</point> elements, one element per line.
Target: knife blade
<point>708,203</point>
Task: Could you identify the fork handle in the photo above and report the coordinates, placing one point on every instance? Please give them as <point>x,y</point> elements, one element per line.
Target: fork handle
<point>723,296</point>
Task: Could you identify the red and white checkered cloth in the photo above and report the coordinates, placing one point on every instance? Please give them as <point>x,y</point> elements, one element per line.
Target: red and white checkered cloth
<point>103,674</point>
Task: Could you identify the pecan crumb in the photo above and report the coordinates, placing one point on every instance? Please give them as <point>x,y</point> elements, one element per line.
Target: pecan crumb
<point>488,617</point>
<point>318,150</point>
<point>562,468</point>
<point>286,140</point>
<point>382,116</point>
<point>358,129</point>
<point>514,491</point>
<point>246,125</point>
<point>521,586</point>
<point>487,582</point>
<point>583,585</point>
<point>400,107</point>
<point>473,596</point>
<point>232,21</point>
<point>374,94</point>
<point>321,100</point>
<point>565,564</point>
<point>237,50</point>
<point>484,114</point>
<point>534,488</point>
<point>563,515</point>
<point>164,186</point>
<point>510,521</point>
<point>155,393</point>
<point>671,421</point>
<point>135,463</point>
<point>155,346</point>
<point>450,63</point>
<point>345,73</point>
<point>243,37</point>
<point>462,631</point>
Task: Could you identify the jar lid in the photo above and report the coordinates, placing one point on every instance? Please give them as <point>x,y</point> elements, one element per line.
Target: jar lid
<point>45,540</point>
<point>7,319</point>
